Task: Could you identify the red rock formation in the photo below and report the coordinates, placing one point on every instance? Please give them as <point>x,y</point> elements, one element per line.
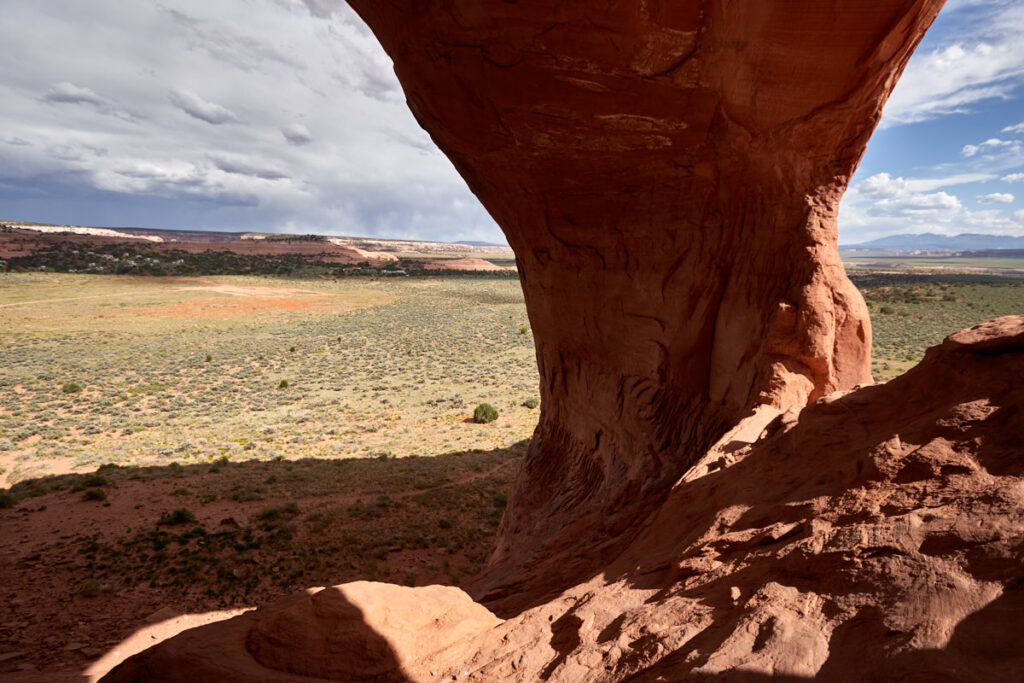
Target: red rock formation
<point>668,174</point>
<point>850,542</point>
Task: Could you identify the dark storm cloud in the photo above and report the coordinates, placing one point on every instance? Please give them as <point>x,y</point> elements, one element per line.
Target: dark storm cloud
<point>69,93</point>
<point>297,134</point>
<point>242,122</point>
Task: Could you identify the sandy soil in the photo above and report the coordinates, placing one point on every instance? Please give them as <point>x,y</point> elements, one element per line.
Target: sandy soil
<point>469,263</point>
<point>54,466</point>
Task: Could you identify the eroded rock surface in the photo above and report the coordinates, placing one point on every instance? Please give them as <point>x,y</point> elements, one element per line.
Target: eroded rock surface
<point>359,631</point>
<point>873,535</point>
<point>668,173</point>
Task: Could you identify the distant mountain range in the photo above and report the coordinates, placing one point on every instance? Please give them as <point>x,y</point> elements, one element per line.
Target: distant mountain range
<point>967,241</point>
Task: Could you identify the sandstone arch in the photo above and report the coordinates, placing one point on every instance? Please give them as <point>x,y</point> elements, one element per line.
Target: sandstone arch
<point>668,174</point>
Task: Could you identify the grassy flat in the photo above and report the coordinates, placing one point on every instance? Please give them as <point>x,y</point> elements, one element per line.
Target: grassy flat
<point>192,369</point>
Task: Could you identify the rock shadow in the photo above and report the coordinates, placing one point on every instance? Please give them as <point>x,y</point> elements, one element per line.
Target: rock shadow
<point>293,639</point>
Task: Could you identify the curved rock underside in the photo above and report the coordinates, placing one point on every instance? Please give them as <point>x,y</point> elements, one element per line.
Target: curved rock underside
<point>668,173</point>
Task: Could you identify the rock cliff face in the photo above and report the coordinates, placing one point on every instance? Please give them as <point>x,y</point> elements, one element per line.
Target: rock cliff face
<point>668,174</point>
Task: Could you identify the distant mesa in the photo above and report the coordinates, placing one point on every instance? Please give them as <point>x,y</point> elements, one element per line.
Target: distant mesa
<point>81,230</point>
<point>21,239</point>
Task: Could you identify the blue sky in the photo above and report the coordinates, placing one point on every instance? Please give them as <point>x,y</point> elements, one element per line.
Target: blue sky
<point>285,116</point>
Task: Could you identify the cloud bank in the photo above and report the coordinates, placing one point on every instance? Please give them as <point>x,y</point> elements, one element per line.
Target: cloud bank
<point>272,115</point>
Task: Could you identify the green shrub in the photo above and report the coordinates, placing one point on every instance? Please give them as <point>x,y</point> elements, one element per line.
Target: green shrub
<point>219,463</point>
<point>485,413</point>
<point>274,511</point>
<point>208,358</point>
<point>71,388</point>
<point>886,310</point>
<point>179,516</point>
<point>7,500</point>
<point>268,513</point>
<point>444,523</point>
<point>94,494</point>
<point>90,481</point>
<point>531,403</point>
<point>283,384</point>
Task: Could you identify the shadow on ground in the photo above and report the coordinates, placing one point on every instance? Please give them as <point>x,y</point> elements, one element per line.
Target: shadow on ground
<point>90,559</point>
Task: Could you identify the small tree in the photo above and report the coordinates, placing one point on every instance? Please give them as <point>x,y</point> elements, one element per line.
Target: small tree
<point>485,413</point>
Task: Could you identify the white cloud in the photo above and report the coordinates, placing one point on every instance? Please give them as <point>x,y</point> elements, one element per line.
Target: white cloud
<point>883,185</point>
<point>883,204</point>
<point>989,146</point>
<point>930,184</point>
<point>882,195</point>
<point>990,221</point>
<point>936,206</point>
<point>984,61</point>
<point>996,198</point>
<point>198,108</point>
<point>971,61</point>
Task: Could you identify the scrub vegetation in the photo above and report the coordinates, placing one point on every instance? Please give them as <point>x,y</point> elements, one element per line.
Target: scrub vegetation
<point>190,443</point>
<point>910,312</point>
<point>146,371</point>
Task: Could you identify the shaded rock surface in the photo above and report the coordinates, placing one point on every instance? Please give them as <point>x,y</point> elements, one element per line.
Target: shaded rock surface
<point>668,173</point>
<point>359,631</point>
<point>851,540</point>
